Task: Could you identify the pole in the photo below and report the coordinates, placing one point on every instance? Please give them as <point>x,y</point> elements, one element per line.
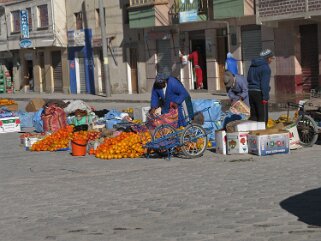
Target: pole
<point>104,46</point>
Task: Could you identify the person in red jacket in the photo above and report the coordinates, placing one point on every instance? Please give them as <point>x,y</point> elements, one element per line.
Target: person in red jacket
<point>196,58</point>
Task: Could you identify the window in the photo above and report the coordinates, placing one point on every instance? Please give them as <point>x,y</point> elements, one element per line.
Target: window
<point>79,19</point>
<point>15,21</point>
<point>43,16</point>
<point>29,19</point>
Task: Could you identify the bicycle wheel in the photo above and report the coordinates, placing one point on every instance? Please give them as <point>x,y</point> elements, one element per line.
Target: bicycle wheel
<point>193,141</point>
<point>163,132</point>
<point>307,129</point>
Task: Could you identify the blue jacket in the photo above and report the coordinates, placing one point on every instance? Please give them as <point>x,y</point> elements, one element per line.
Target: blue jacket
<point>175,92</point>
<point>239,90</point>
<point>231,65</point>
<point>258,77</point>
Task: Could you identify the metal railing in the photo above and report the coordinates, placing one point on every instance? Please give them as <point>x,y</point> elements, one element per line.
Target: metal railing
<point>135,3</point>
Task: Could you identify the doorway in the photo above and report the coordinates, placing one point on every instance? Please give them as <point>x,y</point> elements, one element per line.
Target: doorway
<point>133,69</point>
<point>221,56</point>
<point>309,57</point>
<point>28,74</point>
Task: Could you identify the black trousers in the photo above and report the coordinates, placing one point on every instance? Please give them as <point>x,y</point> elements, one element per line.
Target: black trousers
<point>259,112</point>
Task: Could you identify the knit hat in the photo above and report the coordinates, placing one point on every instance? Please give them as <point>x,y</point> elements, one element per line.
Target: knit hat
<point>229,55</point>
<point>228,79</point>
<point>266,53</point>
<point>160,77</point>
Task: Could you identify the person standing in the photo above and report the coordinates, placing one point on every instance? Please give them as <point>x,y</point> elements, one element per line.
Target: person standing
<point>236,88</point>
<point>197,62</point>
<point>258,79</point>
<point>169,92</point>
<point>231,64</point>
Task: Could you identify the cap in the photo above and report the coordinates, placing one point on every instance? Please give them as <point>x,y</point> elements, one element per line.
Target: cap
<point>266,53</point>
<point>228,79</point>
<point>160,77</point>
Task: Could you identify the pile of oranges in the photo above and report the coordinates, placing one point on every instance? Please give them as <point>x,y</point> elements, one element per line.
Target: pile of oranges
<point>57,140</point>
<point>61,138</point>
<point>125,145</point>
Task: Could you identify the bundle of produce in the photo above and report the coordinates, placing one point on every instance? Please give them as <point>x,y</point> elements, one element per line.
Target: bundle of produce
<point>4,101</point>
<point>125,145</point>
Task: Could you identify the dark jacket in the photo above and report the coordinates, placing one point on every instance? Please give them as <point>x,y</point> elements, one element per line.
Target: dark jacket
<point>258,77</point>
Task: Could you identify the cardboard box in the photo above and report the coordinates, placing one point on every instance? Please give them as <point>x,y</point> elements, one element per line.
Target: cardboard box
<point>249,126</point>
<point>294,139</point>
<point>239,107</point>
<point>35,104</point>
<point>237,142</point>
<point>220,139</point>
<point>268,143</point>
<point>10,124</point>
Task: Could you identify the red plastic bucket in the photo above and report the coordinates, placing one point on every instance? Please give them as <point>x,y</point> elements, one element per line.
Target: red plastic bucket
<point>79,147</point>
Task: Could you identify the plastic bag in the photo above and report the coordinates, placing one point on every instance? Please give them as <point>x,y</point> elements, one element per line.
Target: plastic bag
<point>169,118</point>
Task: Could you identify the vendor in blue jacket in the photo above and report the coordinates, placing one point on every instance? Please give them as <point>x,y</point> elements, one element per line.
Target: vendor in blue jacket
<point>236,88</point>
<point>169,92</point>
<point>258,79</point>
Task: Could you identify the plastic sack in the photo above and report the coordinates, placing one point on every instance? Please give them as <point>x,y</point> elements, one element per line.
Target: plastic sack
<point>54,118</point>
<point>37,121</point>
<point>215,108</point>
<point>114,114</point>
<point>170,118</point>
<point>26,118</point>
<point>77,104</point>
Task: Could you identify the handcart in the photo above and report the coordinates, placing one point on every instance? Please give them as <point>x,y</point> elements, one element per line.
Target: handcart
<point>309,116</point>
<point>190,141</point>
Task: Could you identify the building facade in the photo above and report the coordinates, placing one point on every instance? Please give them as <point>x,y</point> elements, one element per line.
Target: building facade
<point>296,40</point>
<point>85,53</point>
<point>37,54</point>
<point>217,27</point>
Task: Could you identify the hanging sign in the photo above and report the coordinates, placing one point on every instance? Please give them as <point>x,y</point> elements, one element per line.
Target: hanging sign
<point>24,24</point>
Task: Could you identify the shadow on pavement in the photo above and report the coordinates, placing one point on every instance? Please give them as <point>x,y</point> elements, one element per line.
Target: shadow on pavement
<point>306,206</point>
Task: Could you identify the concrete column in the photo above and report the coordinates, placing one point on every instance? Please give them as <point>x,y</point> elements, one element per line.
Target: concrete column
<point>213,81</point>
<point>65,71</point>
<point>49,72</point>
<point>36,73</point>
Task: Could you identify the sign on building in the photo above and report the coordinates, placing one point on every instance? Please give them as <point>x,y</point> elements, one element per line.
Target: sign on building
<point>24,24</point>
<point>76,38</point>
<point>188,11</point>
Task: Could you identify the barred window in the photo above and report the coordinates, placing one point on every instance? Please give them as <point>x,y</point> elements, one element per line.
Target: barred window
<point>15,21</point>
<point>43,16</point>
<point>79,20</point>
<point>29,19</point>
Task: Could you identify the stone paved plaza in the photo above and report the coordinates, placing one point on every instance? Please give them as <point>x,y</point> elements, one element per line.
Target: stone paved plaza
<point>55,196</point>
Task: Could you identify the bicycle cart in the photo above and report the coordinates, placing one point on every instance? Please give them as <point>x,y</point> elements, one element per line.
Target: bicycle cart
<point>309,116</point>
<point>190,141</point>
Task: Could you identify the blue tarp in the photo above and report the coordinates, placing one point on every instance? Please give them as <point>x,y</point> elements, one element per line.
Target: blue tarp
<point>215,108</point>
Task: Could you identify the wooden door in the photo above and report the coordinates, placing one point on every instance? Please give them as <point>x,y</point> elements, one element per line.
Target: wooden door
<point>133,69</point>
<point>221,55</point>
<point>309,57</point>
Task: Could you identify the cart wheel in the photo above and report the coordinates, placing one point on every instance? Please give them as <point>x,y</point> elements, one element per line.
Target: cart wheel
<point>162,131</point>
<point>307,129</point>
<point>193,141</point>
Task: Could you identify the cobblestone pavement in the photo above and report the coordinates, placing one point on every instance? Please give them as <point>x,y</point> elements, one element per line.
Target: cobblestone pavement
<point>55,196</point>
